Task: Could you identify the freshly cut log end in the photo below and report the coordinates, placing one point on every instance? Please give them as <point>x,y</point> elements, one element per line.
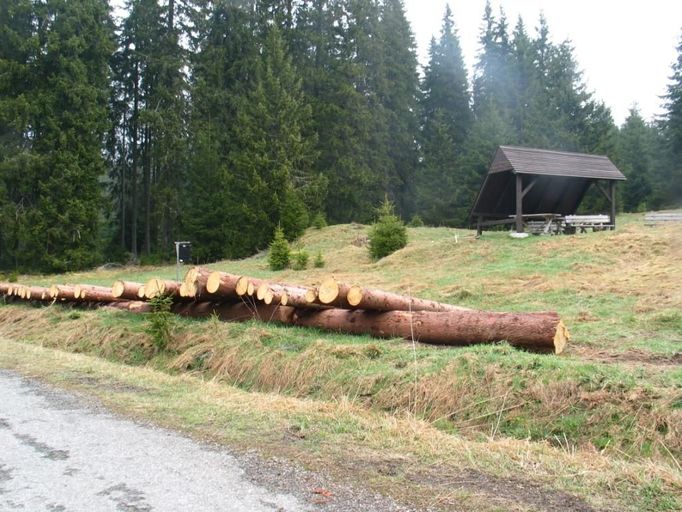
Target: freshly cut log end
<point>354,296</point>
<point>242,287</point>
<point>250,289</point>
<point>183,289</point>
<point>54,291</point>
<point>118,288</point>
<point>268,296</point>
<point>77,290</point>
<point>262,291</point>
<point>311,295</point>
<point>561,338</point>
<point>213,282</point>
<point>328,291</point>
<point>284,300</point>
<point>153,288</point>
<point>192,274</point>
<point>126,290</point>
<point>141,292</point>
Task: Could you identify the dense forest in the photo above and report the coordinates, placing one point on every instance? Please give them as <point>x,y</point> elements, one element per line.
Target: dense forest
<point>217,121</point>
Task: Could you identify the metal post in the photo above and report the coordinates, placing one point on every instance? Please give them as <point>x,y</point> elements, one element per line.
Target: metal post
<point>177,261</point>
<point>612,193</point>
<point>519,203</point>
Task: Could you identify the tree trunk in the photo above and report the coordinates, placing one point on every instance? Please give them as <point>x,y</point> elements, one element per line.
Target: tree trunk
<point>156,287</point>
<point>379,300</point>
<point>62,292</point>
<point>541,332</point>
<point>127,290</point>
<point>222,285</point>
<point>93,293</point>
<point>340,295</point>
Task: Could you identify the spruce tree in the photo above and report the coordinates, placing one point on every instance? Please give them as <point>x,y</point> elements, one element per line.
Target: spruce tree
<point>18,162</point>
<point>670,178</point>
<point>59,222</point>
<point>444,184</point>
<point>271,154</point>
<point>635,159</point>
<point>399,95</point>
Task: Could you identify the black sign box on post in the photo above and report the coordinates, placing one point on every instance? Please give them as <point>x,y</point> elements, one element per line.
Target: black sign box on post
<point>184,252</point>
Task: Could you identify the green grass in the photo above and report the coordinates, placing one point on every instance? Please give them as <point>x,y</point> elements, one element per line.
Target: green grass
<point>616,391</point>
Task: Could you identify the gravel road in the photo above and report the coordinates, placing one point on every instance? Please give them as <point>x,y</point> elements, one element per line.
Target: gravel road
<point>60,452</point>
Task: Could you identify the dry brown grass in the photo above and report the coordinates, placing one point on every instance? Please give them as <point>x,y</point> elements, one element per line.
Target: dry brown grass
<point>341,434</point>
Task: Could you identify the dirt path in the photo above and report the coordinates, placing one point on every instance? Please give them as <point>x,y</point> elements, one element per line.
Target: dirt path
<point>61,453</point>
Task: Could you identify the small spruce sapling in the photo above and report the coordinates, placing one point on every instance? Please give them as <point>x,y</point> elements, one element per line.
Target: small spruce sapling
<point>388,234</point>
<point>279,255</point>
<point>300,260</point>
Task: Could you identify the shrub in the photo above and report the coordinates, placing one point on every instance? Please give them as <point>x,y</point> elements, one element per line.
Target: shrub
<point>299,260</point>
<point>13,277</point>
<point>388,234</point>
<point>161,322</point>
<point>319,221</point>
<point>416,222</point>
<point>319,260</point>
<point>279,255</point>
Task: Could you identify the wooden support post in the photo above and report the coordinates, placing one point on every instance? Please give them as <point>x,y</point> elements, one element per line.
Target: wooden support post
<point>612,194</point>
<point>479,227</point>
<point>519,203</point>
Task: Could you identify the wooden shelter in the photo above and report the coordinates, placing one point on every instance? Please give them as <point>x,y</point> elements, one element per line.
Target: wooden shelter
<point>526,183</point>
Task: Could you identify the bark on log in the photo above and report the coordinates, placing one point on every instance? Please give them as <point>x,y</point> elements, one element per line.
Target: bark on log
<point>5,288</point>
<point>533,331</point>
<point>134,306</point>
<point>542,332</point>
<point>126,290</point>
<point>222,285</point>
<point>39,293</point>
<point>62,292</point>
<point>333,293</point>
<point>94,293</point>
<point>379,300</point>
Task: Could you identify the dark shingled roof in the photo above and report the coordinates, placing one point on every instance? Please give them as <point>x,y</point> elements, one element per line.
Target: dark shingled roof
<point>554,163</point>
<point>561,181</point>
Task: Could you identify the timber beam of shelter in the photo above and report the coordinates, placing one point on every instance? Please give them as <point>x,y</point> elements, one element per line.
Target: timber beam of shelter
<point>525,184</point>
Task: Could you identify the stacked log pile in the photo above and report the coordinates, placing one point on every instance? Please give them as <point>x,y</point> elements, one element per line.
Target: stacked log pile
<point>332,306</point>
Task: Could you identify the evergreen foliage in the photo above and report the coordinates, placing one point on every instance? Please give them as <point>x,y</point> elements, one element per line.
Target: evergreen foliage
<point>216,122</point>
<point>280,253</point>
<point>388,233</point>
<point>299,260</point>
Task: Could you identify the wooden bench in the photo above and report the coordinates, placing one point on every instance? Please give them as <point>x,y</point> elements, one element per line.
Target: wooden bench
<point>655,218</point>
<point>584,222</point>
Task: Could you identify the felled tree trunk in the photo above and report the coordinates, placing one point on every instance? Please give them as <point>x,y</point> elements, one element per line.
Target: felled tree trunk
<point>543,332</point>
<point>127,290</point>
<point>93,293</point>
<point>379,300</point>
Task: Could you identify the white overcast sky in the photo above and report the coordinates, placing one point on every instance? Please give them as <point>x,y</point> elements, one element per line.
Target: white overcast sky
<point>624,47</point>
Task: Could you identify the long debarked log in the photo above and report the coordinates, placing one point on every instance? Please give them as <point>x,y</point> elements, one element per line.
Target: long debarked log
<point>543,332</point>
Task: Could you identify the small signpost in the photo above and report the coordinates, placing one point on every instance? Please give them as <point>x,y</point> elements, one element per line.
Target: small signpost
<point>183,254</point>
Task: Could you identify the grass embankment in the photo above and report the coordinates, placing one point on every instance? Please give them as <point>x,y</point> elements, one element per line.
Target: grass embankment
<point>615,396</point>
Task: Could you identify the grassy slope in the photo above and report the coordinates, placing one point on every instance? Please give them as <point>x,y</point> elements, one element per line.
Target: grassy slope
<point>615,395</point>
